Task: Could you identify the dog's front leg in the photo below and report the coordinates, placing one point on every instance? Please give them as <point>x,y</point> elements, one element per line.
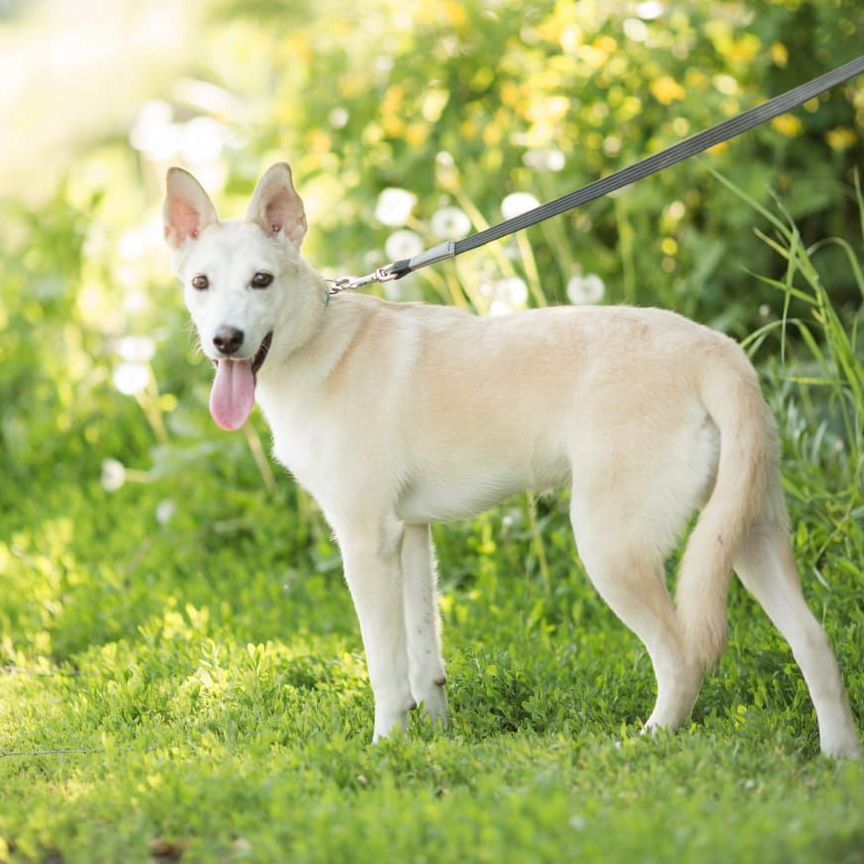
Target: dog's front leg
<point>422,622</point>
<point>371,557</point>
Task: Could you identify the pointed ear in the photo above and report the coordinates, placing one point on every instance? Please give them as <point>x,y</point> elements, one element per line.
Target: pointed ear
<point>188,210</point>
<point>277,207</point>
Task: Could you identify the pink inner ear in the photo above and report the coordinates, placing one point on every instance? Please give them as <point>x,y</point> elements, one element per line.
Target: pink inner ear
<point>184,220</point>
<point>284,212</point>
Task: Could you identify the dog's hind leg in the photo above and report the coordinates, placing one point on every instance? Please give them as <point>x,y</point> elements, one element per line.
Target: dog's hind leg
<point>371,554</point>
<point>629,576</point>
<point>422,622</point>
<point>767,568</point>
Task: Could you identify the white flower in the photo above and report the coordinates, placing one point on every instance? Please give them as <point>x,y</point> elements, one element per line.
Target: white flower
<point>201,141</point>
<point>585,289</point>
<point>384,66</point>
<point>154,133</point>
<point>136,349</point>
<point>394,206</point>
<point>544,159</point>
<point>403,244</point>
<point>113,475</point>
<point>450,223</point>
<point>635,30</point>
<point>512,291</point>
<point>505,295</point>
<point>339,118</point>
<point>518,203</point>
<point>406,290</point>
<point>675,211</point>
<point>445,159</point>
<point>131,378</point>
<point>140,242</point>
<point>649,10</point>
<point>165,511</point>
<point>371,260</point>
<point>136,302</point>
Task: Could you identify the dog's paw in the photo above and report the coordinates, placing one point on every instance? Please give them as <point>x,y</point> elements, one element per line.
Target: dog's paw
<point>846,748</point>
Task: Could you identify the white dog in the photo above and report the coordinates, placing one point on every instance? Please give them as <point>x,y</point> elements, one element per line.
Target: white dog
<point>394,416</point>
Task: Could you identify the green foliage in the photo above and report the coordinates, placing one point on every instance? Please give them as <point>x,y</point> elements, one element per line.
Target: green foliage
<point>181,673</point>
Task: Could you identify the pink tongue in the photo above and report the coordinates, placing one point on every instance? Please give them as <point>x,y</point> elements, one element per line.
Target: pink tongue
<point>233,393</point>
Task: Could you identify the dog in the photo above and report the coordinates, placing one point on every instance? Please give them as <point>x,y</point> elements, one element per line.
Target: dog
<point>394,416</point>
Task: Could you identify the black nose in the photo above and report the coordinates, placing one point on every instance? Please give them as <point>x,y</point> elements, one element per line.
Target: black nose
<point>228,339</point>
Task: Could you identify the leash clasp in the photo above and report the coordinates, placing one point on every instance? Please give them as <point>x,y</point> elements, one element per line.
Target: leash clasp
<point>348,283</point>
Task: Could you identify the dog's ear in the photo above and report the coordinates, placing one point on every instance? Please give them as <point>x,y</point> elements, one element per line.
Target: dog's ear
<point>188,210</point>
<point>276,206</point>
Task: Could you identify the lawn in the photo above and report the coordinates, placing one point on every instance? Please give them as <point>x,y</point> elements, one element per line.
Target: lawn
<point>181,671</point>
<point>198,687</point>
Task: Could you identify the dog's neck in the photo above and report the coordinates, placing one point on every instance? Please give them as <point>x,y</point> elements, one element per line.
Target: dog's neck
<point>317,331</point>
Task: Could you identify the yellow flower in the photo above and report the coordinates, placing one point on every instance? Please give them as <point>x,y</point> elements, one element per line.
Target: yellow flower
<point>606,43</point>
<point>696,80</point>
<point>393,126</point>
<point>779,54</point>
<point>788,125</point>
<point>319,142</point>
<point>456,14</point>
<point>510,94</point>
<point>468,130</point>
<point>667,90</point>
<point>571,38</point>
<point>417,134</point>
<point>841,138</point>
<point>595,57</point>
<point>669,246</point>
<point>745,49</point>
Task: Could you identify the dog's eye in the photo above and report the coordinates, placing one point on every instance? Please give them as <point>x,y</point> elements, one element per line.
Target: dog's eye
<point>201,283</point>
<point>261,279</point>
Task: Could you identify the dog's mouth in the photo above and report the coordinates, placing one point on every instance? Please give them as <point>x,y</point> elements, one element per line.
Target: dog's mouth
<point>233,395</point>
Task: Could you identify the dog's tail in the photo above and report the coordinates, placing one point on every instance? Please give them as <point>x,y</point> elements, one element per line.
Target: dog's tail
<point>731,395</point>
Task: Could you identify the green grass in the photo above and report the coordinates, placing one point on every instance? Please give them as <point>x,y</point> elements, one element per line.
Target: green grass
<point>205,695</point>
<point>194,687</point>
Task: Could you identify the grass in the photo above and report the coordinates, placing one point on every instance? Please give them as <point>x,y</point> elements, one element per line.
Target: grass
<point>187,681</point>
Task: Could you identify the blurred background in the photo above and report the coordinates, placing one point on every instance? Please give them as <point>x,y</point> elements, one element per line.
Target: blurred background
<point>406,122</point>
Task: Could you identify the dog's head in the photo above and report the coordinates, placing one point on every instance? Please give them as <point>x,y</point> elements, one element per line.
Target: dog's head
<point>244,282</point>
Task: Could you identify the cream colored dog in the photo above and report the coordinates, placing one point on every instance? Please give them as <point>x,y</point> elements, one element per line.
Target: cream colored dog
<point>397,415</point>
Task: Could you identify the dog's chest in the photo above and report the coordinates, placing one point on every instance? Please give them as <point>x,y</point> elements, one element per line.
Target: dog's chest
<point>303,437</point>
<point>294,444</point>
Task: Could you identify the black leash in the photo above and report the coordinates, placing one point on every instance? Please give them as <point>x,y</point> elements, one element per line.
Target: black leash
<point>731,128</point>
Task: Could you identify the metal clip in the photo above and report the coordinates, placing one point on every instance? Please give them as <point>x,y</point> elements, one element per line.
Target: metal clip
<point>349,283</point>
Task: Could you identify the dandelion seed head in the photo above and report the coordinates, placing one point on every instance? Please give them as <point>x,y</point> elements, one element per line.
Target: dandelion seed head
<point>165,511</point>
<point>649,10</point>
<point>544,159</point>
<point>339,118</point>
<point>394,206</point>
<point>450,223</point>
<point>517,203</point>
<point>403,244</point>
<point>136,349</point>
<point>113,475</point>
<point>582,290</point>
<point>131,378</point>
<point>505,295</point>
